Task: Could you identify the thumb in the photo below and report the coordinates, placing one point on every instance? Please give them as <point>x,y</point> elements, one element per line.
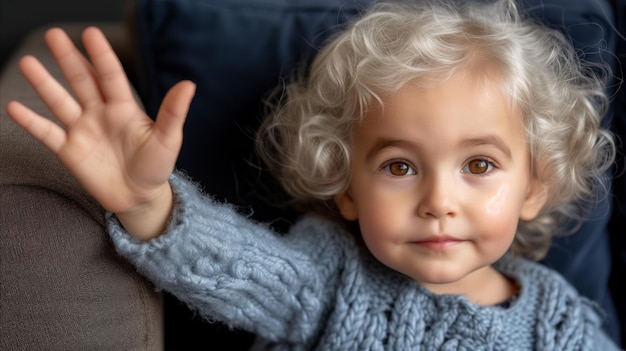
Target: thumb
<point>173,111</point>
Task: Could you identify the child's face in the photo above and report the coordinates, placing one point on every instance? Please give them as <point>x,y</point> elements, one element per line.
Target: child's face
<point>440,178</point>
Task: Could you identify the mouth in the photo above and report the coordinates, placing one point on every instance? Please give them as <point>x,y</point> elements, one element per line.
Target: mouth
<point>438,243</point>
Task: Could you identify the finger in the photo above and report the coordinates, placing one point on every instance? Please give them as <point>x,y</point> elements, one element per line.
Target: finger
<point>173,112</point>
<point>75,67</point>
<point>52,93</point>
<point>112,79</point>
<point>41,128</point>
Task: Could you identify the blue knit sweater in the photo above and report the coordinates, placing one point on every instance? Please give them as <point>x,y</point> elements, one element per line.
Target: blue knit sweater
<point>315,288</point>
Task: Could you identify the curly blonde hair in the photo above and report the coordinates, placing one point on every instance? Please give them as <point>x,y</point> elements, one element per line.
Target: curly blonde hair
<point>306,139</point>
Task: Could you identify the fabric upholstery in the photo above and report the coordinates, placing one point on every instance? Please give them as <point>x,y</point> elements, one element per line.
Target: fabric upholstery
<point>62,285</point>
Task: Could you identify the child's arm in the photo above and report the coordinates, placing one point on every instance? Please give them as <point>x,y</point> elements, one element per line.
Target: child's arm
<point>121,157</point>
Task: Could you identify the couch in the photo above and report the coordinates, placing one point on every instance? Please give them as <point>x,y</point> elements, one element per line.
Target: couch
<point>62,287</point>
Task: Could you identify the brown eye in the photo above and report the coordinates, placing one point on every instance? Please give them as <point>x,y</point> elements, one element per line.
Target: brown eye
<point>478,166</point>
<point>399,169</point>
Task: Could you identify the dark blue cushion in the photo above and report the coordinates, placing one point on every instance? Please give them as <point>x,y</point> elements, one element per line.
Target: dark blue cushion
<point>237,51</point>
<point>585,258</point>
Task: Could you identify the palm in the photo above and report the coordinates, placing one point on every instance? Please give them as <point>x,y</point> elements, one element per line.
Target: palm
<point>107,142</point>
<point>112,150</point>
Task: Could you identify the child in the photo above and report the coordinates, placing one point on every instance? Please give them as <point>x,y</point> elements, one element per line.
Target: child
<point>435,146</point>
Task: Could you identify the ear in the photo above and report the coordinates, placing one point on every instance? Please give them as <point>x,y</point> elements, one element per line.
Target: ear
<point>536,198</point>
<point>346,205</point>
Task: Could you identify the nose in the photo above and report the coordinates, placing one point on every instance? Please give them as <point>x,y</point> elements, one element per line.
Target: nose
<point>437,198</point>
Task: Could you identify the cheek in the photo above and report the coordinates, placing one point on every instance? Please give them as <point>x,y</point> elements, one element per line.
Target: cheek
<point>500,215</point>
<point>375,223</point>
<point>381,228</point>
<point>373,237</point>
<point>380,211</point>
<point>495,204</point>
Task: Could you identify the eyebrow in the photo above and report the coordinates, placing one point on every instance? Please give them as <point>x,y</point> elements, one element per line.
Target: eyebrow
<point>493,140</point>
<point>489,140</point>
<point>383,143</point>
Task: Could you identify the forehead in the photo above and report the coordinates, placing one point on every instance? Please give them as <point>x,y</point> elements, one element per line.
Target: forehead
<point>462,107</point>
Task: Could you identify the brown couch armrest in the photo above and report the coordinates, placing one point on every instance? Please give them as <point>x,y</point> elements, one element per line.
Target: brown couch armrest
<point>62,286</point>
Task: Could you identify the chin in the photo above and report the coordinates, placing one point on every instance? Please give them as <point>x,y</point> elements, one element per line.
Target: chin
<point>442,277</point>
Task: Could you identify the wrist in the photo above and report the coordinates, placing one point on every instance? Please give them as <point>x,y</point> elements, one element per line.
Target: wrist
<point>149,220</point>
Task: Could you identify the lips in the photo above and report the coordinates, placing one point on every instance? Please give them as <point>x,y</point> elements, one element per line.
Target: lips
<point>442,242</point>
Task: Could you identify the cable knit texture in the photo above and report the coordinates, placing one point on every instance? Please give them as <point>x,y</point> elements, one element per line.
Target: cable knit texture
<point>315,288</point>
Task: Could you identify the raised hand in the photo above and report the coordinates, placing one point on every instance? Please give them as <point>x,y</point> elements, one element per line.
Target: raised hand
<point>119,155</point>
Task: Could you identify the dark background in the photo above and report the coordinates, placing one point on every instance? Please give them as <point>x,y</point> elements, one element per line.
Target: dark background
<point>18,17</point>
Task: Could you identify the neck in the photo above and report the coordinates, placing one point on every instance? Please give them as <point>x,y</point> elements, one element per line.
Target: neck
<point>484,287</point>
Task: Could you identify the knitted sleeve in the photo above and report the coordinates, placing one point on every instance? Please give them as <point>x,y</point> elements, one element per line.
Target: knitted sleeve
<point>232,269</point>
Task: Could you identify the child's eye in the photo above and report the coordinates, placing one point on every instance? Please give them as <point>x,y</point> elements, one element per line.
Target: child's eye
<point>399,168</point>
<point>478,166</point>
